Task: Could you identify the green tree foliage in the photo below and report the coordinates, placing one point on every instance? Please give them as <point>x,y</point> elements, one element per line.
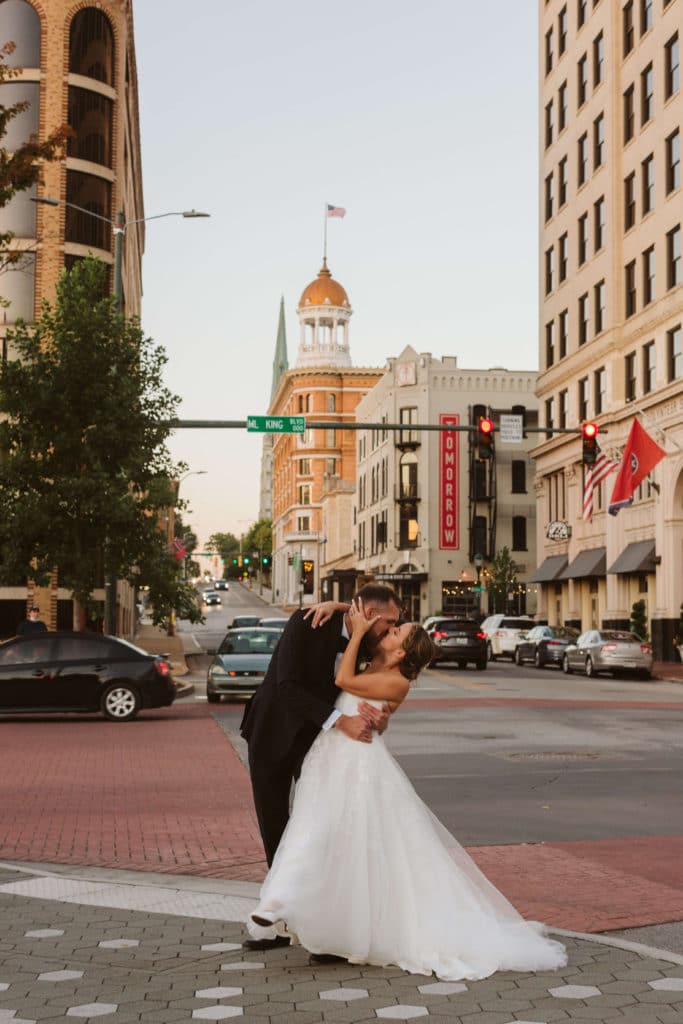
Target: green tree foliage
<point>503,573</point>
<point>259,538</point>
<point>85,470</point>
<point>639,620</point>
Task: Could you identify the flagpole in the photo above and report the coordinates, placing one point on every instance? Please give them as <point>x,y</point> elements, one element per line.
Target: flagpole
<point>325,236</point>
<point>657,429</point>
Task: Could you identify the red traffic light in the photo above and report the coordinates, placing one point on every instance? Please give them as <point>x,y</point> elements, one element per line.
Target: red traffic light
<point>485,426</point>
<point>590,430</point>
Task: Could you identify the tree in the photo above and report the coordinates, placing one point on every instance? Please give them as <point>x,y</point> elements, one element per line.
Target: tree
<point>639,620</point>
<point>227,547</point>
<point>259,538</point>
<point>503,573</point>
<point>85,469</point>
<point>20,169</point>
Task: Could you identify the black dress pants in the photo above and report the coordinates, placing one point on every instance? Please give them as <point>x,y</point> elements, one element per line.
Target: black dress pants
<point>271,785</point>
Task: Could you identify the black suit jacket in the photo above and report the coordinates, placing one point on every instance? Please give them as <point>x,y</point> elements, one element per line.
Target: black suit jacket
<point>298,692</point>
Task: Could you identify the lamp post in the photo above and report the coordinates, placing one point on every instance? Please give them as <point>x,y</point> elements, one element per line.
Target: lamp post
<point>118,227</point>
<point>478,561</point>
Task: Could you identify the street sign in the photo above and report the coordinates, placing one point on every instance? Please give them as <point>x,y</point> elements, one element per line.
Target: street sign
<point>276,424</point>
<point>477,589</point>
<point>511,429</point>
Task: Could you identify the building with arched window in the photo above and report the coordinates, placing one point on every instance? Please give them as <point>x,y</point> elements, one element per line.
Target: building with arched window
<point>76,64</point>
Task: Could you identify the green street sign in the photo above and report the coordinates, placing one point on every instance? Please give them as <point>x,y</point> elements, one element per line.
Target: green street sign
<point>478,590</point>
<point>276,424</point>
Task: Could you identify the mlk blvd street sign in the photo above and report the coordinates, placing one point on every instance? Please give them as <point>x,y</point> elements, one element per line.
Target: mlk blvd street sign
<point>276,424</point>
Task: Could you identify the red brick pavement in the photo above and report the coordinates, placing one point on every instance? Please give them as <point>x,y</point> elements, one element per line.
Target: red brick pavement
<point>167,793</point>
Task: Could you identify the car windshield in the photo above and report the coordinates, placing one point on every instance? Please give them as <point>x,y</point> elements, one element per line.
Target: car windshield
<point>564,633</point>
<point>456,626</point>
<point>620,637</point>
<point>253,641</point>
<point>516,624</point>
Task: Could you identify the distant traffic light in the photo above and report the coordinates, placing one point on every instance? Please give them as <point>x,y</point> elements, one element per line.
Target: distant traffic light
<point>484,439</point>
<point>234,561</point>
<point>589,433</point>
<point>264,560</point>
<point>246,561</point>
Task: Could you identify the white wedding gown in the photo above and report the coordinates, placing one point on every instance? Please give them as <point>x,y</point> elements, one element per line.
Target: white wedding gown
<point>366,871</point>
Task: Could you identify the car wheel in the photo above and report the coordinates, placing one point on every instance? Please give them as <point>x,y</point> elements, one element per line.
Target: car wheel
<point>481,665</point>
<point>490,656</point>
<point>566,667</point>
<point>518,656</point>
<point>213,698</point>
<point>590,667</point>
<point>120,702</point>
<point>538,660</point>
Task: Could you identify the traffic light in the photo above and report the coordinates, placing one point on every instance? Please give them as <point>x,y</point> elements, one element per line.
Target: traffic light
<point>484,439</point>
<point>234,561</point>
<point>246,561</point>
<point>589,433</point>
<point>264,560</point>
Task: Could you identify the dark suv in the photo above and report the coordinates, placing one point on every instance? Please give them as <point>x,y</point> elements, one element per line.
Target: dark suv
<point>458,640</point>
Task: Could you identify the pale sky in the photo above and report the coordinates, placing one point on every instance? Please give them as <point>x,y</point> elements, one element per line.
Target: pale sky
<point>419,119</point>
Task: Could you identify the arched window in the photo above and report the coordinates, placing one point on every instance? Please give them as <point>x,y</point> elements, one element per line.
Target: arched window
<point>91,46</point>
<point>332,403</point>
<point>20,24</point>
<point>408,475</point>
<point>90,116</point>
<point>519,533</point>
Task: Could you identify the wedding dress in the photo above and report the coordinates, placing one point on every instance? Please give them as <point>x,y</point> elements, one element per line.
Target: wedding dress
<point>366,871</point>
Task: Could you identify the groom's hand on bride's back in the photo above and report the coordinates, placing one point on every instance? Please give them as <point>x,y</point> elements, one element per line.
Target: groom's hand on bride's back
<point>355,727</point>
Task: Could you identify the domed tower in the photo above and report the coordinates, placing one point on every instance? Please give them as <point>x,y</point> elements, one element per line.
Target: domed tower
<point>324,311</point>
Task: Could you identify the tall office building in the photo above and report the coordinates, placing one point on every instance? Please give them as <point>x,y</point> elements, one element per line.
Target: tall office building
<point>611,308</point>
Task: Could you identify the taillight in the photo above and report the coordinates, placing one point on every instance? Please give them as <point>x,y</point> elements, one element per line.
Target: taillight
<point>609,647</point>
<point>646,648</point>
<point>162,667</point>
<point>553,643</point>
<point>439,636</point>
<point>481,636</point>
<point>499,632</point>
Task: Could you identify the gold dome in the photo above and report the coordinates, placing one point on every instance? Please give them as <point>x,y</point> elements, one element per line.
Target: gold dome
<point>324,291</point>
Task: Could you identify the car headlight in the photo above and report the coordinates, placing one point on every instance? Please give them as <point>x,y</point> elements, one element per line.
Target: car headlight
<point>217,672</point>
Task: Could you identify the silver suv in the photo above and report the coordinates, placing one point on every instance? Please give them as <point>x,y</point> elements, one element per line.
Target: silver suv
<point>503,633</point>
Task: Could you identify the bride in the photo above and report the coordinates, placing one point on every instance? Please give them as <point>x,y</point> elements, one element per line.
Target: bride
<point>365,871</point>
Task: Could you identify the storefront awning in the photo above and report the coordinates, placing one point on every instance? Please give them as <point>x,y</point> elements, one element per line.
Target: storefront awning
<point>550,569</point>
<point>587,563</point>
<point>401,577</point>
<point>635,558</point>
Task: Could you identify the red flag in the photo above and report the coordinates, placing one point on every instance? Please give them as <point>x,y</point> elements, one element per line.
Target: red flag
<point>179,549</point>
<point>640,457</point>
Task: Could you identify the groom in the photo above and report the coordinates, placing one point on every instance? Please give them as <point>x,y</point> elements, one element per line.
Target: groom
<point>296,700</point>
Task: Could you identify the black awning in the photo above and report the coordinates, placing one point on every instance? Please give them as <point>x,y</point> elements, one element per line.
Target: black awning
<point>587,563</point>
<point>550,569</point>
<point>401,577</point>
<point>635,558</point>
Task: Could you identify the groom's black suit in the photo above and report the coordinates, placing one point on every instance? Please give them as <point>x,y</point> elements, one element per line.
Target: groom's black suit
<point>286,714</point>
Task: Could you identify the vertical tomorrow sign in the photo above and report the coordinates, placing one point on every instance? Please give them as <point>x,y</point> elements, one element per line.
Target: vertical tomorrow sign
<point>449,472</point>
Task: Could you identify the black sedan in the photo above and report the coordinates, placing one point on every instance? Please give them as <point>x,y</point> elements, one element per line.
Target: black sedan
<point>81,672</point>
<point>458,640</point>
<point>545,645</point>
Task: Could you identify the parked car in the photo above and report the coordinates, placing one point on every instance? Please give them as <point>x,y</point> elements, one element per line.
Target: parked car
<point>211,597</point>
<point>222,585</point>
<point>544,645</point>
<point>503,633</point>
<point>608,650</point>
<point>244,620</point>
<point>83,672</point>
<point>273,623</point>
<point>241,662</point>
<point>459,640</point>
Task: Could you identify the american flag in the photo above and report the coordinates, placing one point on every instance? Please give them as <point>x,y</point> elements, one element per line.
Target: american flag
<point>595,474</point>
<point>335,211</point>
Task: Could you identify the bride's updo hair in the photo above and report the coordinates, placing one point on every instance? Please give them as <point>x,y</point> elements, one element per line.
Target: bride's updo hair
<point>419,652</point>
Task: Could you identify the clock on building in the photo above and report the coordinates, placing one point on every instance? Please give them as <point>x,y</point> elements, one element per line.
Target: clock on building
<point>558,530</point>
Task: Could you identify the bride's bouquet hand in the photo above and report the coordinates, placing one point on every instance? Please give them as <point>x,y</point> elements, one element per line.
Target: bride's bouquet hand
<point>360,624</point>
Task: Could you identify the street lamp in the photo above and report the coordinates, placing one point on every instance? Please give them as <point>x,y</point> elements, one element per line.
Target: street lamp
<point>118,227</point>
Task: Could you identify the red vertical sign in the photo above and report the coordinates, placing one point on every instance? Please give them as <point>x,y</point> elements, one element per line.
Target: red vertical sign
<point>449,469</point>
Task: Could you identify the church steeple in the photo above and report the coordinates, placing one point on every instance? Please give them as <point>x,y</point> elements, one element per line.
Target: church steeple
<point>280,364</point>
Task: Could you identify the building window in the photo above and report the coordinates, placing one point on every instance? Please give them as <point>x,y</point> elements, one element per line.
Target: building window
<point>645,16</point>
<point>549,124</point>
<point>673,257</point>
<point>648,179</point>
<point>673,341</point>
<point>649,276</point>
<point>673,161</point>
<point>583,158</point>
<point>330,467</point>
<point>583,398</point>
<point>581,12</point>
<point>671,67</point>
<point>630,288</point>
<point>584,319</point>
<point>331,403</point>
<point>630,377</point>
<point>629,201</point>
<point>563,246</point>
<point>91,117</point>
<point>563,182</point>
<point>598,59</point>
<point>648,367</point>
<point>91,46</point>
<point>407,415</point>
<point>582,80</point>
<point>549,50</point>
<point>92,194</point>
<point>563,333</point>
<point>549,270</point>
<point>304,467</point>
<point>304,494</point>
<point>629,113</point>
<point>600,381</point>
<point>303,524</point>
<point>583,239</point>
<point>647,94</point>
<point>562,31</point>
<point>519,533</point>
<point>549,196</point>
<point>330,438</point>
<point>598,141</point>
<point>549,415</point>
<point>562,107</point>
<point>599,306</point>
<point>627,25</point>
<point>599,224</point>
<point>563,409</point>
<point>550,343</point>
<point>518,476</point>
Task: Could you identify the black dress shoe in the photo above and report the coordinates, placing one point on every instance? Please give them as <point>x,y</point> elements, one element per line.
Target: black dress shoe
<point>327,958</point>
<point>258,944</point>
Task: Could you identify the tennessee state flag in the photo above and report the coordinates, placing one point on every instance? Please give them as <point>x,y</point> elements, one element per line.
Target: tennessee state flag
<point>640,457</point>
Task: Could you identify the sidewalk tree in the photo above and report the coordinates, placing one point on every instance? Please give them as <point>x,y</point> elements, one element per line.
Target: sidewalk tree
<point>639,620</point>
<point>259,538</point>
<point>85,469</point>
<point>503,572</point>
